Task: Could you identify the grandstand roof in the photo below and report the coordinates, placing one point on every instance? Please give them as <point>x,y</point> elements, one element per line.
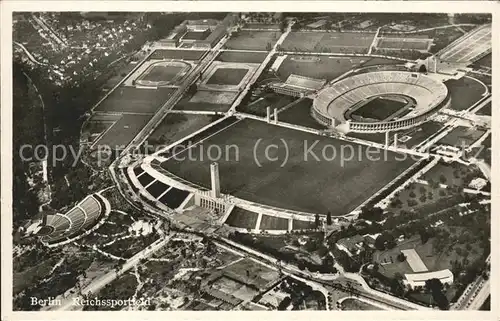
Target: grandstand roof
<point>419,278</point>
<point>305,82</point>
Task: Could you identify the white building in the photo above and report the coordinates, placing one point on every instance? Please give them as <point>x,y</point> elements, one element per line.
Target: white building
<point>417,280</point>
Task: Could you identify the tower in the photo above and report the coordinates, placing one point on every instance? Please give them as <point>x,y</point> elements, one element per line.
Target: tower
<point>387,138</point>
<point>275,115</point>
<point>268,110</point>
<point>214,175</point>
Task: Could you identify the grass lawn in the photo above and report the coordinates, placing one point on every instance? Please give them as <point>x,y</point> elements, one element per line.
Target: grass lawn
<point>161,73</point>
<point>242,56</point>
<point>464,92</point>
<point>379,108</point>
<point>402,43</point>
<point>176,126</point>
<point>344,42</point>
<point>253,40</point>
<point>338,184</point>
<point>250,272</point>
<point>259,105</point>
<point>321,67</point>
<point>273,223</point>
<point>227,76</point>
<point>135,100</point>
<point>486,110</point>
<point>123,131</point>
<point>242,218</point>
<point>303,225</point>
<point>300,114</point>
<point>177,54</point>
<point>462,137</point>
<point>356,305</point>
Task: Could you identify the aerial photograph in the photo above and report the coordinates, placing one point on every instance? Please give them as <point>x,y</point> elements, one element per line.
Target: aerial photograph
<point>251,161</point>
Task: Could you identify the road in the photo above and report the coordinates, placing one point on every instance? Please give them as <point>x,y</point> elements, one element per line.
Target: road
<point>100,282</point>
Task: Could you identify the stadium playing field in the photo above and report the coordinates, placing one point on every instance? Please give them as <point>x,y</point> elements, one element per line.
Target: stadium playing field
<point>303,183</point>
<point>242,56</point>
<point>343,42</point>
<point>253,40</point>
<point>300,114</point>
<point>135,100</point>
<point>227,76</point>
<point>378,109</point>
<point>195,35</point>
<point>464,92</point>
<point>404,43</point>
<point>193,55</point>
<point>273,223</point>
<point>322,67</point>
<point>123,131</point>
<point>161,73</point>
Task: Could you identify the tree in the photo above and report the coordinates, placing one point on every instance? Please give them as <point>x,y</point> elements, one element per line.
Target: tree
<point>436,288</point>
<point>401,257</point>
<point>329,218</point>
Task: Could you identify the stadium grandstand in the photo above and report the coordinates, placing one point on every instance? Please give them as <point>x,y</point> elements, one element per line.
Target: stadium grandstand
<point>56,228</point>
<point>333,103</point>
<point>417,280</point>
<point>298,86</point>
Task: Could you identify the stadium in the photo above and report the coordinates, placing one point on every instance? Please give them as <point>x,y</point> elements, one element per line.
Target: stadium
<point>410,99</point>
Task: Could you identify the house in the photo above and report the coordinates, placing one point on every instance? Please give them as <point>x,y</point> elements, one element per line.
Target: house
<point>351,245</point>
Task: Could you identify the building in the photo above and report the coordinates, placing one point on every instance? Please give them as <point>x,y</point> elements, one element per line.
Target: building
<point>351,245</point>
<point>417,281</point>
<point>298,86</point>
<point>478,183</point>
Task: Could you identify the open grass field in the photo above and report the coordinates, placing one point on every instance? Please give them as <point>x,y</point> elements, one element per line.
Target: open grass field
<point>242,56</point>
<point>119,75</point>
<point>464,92</point>
<point>177,126</point>
<point>242,218</point>
<point>462,136</point>
<point>253,40</point>
<point>195,35</point>
<point>273,223</point>
<point>486,61</point>
<point>303,225</point>
<point>356,305</point>
<point>167,54</point>
<point>403,43</point>
<point>227,76</point>
<point>300,114</point>
<point>486,110</point>
<point>161,73</point>
<point>334,184</point>
<point>258,106</point>
<point>378,108</point>
<point>258,274</point>
<point>123,131</point>
<point>322,67</point>
<point>343,42</point>
<point>135,100</point>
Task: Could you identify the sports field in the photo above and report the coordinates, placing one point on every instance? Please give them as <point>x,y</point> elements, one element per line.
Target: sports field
<point>242,218</point>
<point>178,54</point>
<point>259,106</point>
<point>486,61</point>
<point>300,114</point>
<point>378,109</point>
<point>135,100</point>
<point>299,181</point>
<point>356,305</point>
<point>176,126</point>
<point>161,73</point>
<point>462,136</point>
<point>195,35</point>
<point>303,225</point>
<point>253,40</point>
<point>322,67</point>
<point>404,43</point>
<point>469,46</point>
<point>123,131</point>
<point>227,76</point>
<point>343,42</point>
<point>242,56</point>
<point>464,92</point>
